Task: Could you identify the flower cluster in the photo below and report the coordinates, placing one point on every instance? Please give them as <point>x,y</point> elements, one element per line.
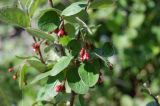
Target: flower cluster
<point>36,47</point>
<point>84,55</point>
<point>59,88</point>
<point>60,32</point>
<point>11,69</point>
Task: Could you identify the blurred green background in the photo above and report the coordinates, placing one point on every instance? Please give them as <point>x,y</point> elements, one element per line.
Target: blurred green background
<point>133,28</point>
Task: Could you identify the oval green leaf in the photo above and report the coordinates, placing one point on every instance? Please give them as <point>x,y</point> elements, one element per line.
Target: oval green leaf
<point>22,76</point>
<point>64,40</point>
<point>61,65</point>
<point>89,73</point>
<point>107,49</point>
<point>14,16</point>
<point>74,8</point>
<point>75,82</point>
<point>75,46</point>
<point>40,34</point>
<point>33,6</point>
<point>35,63</point>
<point>39,77</point>
<point>83,15</point>
<point>47,93</point>
<point>49,20</point>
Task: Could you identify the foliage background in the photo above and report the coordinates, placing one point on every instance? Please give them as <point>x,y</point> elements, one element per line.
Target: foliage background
<point>133,27</point>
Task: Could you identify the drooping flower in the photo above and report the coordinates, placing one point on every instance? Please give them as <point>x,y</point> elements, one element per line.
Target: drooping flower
<point>10,69</point>
<point>14,77</point>
<point>36,47</point>
<point>58,88</point>
<point>84,55</point>
<point>60,32</point>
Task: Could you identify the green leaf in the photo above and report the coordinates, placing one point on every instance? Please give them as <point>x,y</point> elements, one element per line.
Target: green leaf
<point>49,20</point>
<point>104,59</point>
<point>80,101</point>
<point>14,16</point>
<point>24,57</point>
<point>33,6</point>
<point>61,65</point>
<point>69,29</point>
<point>67,87</point>
<point>139,20</point>
<point>59,77</point>
<point>74,9</point>
<point>39,77</point>
<point>75,46</point>
<point>101,3</point>
<point>75,82</point>
<point>107,49</point>
<point>47,93</point>
<point>84,25</point>
<point>65,40</point>
<point>35,63</point>
<point>126,100</point>
<point>22,76</point>
<point>40,34</point>
<point>83,15</point>
<point>89,73</point>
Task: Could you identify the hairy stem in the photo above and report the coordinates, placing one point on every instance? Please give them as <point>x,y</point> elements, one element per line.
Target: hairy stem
<point>72,98</point>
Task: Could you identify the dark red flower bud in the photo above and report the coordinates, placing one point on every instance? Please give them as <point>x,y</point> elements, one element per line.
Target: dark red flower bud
<point>101,79</point>
<point>56,31</point>
<point>58,88</point>
<point>14,77</point>
<point>46,43</point>
<point>11,69</point>
<point>36,47</point>
<point>61,33</point>
<point>110,65</point>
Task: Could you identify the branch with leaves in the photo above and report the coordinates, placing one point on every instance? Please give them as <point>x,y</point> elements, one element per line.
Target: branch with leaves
<point>77,68</point>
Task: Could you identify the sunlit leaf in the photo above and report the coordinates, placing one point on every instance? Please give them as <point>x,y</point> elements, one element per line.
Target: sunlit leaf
<point>14,16</point>
<point>49,20</point>
<point>61,65</point>
<point>89,73</point>
<point>40,34</point>
<point>74,9</point>
<point>75,82</point>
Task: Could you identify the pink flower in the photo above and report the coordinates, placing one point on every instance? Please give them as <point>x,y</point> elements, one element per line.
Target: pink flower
<point>36,47</point>
<point>84,55</point>
<point>58,88</point>
<point>60,32</point>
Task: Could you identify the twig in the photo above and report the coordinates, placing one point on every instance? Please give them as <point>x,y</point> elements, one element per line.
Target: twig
<point>72,98</point>
<point>88,2</point>
<point>40,55</point>
<point>34,38</point>
<point>50,3</point>
<point>39,51</point>
<point>151,94</point>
